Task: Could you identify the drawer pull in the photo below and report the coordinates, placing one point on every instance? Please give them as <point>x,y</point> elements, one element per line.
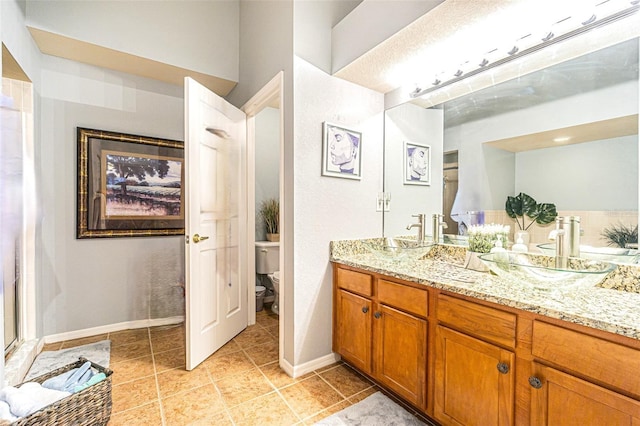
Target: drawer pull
<point>365,309</point>
<point>503,368</point>
<point>377,315</point>
<point>535,382</point>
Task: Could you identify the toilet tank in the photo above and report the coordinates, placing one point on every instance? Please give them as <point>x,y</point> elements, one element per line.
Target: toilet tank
<point>267,257</point>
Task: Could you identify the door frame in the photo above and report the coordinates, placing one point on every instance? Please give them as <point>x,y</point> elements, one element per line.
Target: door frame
<point>271,95</point>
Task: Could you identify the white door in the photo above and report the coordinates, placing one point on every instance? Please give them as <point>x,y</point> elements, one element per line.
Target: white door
<point>216,293</point>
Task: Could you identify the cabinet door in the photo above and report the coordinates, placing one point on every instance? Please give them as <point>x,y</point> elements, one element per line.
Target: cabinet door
<point>560,399</point>
<point>400,344</point>
<point>474,381</point>
<point>353,329</point>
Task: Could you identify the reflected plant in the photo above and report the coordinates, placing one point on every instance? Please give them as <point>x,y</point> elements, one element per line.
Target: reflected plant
<point>523,205</point>
<point>620,235</point>
<point>482,238</point>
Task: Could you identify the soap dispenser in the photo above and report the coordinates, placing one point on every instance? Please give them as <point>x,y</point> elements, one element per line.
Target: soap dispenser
<point>499,252</point>
<point>520,246</point>
<point>497,248</point>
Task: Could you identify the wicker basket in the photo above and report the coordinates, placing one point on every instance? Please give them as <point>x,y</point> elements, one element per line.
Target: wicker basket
<point>90,406</point>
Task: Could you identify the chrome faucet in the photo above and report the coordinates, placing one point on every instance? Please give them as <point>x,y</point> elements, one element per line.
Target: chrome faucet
<point>567,237</point>
<point>419,225</point>
<point>437,226</point>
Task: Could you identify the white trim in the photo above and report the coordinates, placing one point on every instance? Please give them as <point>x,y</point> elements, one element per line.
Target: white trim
<point>111,328</point>
<point>271,93</point>
<point>309,366</point>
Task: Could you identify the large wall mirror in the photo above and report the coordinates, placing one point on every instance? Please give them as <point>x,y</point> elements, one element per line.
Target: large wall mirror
<point>566,134</point>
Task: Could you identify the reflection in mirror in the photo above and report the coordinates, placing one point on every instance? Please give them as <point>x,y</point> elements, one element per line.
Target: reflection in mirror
<point>567,135</point>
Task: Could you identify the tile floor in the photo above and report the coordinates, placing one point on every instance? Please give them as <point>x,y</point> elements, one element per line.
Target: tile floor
<point>241,384</point>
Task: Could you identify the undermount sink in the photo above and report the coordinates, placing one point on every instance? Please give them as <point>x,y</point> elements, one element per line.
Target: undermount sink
<point>539,271</point>
<point>398,248</point>
<point>607,254</point>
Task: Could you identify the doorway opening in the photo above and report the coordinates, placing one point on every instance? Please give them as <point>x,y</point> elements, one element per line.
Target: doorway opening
<point>265,175</point>
<point>450,189</point>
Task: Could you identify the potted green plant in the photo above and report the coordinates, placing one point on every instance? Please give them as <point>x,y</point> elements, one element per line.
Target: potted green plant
<point>522,206</point>
<point>620,235</point>
<point>270,213</point>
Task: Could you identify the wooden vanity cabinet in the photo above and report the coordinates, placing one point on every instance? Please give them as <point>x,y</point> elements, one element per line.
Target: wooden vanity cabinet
<point>489,364</point>
<point>561,399</point>
<point>382,332</point>
<point>596,384</point>
<point>400,340</point>
<point>352,317</point>
<point>474,364</point>
<point>352,331</point>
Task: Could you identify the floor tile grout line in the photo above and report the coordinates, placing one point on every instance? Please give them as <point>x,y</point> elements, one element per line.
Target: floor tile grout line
<point>333,387</point>
<point>224,401</point>
<point>155,376</point>
<point>277,390</point>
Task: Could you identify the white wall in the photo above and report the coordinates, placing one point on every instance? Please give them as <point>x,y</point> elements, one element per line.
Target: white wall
<point>267,153</point>
<point>197,35</point>
<point>266,43</point>
<point>600,175</point>
<point>329,208</point>
<point>93,282</point>
<point>411,123</point>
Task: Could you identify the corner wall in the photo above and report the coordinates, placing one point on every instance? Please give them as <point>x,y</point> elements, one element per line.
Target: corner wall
<point>329,208</point>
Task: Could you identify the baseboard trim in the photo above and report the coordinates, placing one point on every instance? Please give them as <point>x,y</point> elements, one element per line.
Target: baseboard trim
<point>309,366</point>
<point>127,325</point>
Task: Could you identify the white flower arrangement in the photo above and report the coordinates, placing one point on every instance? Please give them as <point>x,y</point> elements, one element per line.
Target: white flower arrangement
<point>483,237</point>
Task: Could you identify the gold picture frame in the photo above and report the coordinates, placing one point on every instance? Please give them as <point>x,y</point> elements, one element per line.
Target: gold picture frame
<point>129,185</point>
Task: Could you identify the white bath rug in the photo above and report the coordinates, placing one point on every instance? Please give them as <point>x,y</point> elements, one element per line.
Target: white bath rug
<point>98,353</point>
<point>375,410</point>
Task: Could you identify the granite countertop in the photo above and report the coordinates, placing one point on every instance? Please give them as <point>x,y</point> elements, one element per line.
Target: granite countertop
<point>613,310</point>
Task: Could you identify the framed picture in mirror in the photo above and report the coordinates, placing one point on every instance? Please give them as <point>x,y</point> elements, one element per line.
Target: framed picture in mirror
<point>417,163</point>
<point>129,185</point>
<point>341,152</point>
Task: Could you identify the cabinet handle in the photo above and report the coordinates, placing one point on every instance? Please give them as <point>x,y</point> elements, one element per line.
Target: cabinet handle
<point>365,309</point>
<point>377,315</point>
<point>503,367</point>
<point>535,382</point>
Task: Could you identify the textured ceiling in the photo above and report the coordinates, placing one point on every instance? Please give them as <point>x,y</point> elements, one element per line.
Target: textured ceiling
<point>424,45</point>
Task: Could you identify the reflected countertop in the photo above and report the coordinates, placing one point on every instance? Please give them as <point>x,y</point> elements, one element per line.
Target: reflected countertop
<point>601,308</point>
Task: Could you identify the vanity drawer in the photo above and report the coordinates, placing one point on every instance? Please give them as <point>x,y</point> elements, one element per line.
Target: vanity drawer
<point>492,325</point>
<point>403,297</point>
<point>599,359</point>
<point>356,282</point>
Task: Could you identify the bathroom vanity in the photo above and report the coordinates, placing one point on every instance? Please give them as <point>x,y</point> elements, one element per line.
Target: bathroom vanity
<point>463,346</point>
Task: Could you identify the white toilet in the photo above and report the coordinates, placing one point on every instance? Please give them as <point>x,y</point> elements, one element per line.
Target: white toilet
<point>267,263</point>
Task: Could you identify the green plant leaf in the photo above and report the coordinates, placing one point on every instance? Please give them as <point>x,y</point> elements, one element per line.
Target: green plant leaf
<point>520,205</point>
<point>545,213</point>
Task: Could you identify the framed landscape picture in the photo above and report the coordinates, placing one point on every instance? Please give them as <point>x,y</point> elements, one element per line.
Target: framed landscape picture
<point>129,185</point>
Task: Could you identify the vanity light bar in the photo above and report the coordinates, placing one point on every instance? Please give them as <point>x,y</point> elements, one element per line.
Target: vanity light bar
<point>514,52</point>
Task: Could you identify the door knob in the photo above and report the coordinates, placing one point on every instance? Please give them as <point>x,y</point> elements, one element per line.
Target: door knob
<point>197,238</point>
<point>365,309</point>
<point>377,315</point>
